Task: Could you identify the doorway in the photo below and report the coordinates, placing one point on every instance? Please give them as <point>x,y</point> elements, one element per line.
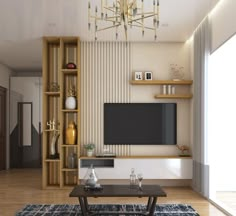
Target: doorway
<point>25,122</point>
<point>2,128</point>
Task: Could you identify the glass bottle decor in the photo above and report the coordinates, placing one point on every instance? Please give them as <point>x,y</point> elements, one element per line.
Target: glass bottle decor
<point>72,161</point>
<point>91,178</point>
<point>132,178</point>
<point>71,134</point>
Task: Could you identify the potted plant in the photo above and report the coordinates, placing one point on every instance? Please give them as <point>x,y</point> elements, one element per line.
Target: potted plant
<point>90,149</point>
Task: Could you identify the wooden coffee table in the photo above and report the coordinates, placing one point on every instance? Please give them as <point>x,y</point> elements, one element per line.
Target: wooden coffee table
<point>150,191</point>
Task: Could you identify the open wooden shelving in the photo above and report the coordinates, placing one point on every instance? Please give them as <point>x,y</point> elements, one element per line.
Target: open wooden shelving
<point>166,82</point>
<point>69,146</point>
<point>52,93</point>
<point>174,96</point>
<point>57,53</point>
<point>161,82</point>
<point>70,111</point>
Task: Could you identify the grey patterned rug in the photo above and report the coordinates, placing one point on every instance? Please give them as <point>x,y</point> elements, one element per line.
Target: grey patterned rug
<point>74,210</point>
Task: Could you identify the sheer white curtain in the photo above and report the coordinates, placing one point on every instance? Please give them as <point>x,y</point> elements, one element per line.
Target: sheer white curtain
<point>201,53</point>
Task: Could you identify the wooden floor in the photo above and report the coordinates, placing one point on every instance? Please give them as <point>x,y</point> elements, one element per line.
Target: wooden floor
<point>23,186</point>
<point>227,198</point>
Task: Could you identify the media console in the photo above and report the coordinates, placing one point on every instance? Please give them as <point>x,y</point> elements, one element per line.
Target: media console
<point>158,167</point>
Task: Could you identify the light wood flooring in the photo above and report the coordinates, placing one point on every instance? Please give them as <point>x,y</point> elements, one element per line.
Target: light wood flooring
<point>227,198</point>
<point>19,187</point>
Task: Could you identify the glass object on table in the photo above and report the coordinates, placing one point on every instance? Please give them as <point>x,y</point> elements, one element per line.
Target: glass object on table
<point>91,178</point>
<point>140,178</point>
<point>132,178</point>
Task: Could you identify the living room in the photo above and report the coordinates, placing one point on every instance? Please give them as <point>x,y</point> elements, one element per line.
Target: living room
<point>107,75</point>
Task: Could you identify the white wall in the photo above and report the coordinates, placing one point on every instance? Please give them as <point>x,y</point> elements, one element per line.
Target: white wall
<point>5,74</point>
<point>223,22</point>
<point>157,57</point>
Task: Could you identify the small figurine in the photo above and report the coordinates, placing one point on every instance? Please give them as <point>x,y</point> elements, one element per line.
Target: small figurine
<point>51,124</point>
<point>184,149</point>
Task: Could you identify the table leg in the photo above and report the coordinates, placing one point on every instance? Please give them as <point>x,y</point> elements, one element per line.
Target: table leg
<point>86,203</point>
<point>82,206</point>
<point>153,206</point>
<point>150,199</point>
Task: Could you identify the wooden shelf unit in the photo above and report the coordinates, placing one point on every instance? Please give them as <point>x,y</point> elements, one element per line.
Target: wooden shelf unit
<point>174,96</point>
<point>166,82</point>
<point>161,82</point>
<point>70,111</point>
<point>57,53</point>
<point>52,93</point>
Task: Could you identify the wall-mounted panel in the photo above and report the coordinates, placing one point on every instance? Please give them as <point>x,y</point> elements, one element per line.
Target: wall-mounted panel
<point>104,79</point>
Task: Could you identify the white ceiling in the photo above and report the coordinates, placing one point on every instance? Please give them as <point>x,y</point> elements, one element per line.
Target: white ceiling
<point>24,22</point>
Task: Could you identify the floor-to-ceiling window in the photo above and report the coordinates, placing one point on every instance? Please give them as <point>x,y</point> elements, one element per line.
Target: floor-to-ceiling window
<point>221,125</point>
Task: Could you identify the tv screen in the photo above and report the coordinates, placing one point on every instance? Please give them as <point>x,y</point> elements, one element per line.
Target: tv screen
<point>140,123</point>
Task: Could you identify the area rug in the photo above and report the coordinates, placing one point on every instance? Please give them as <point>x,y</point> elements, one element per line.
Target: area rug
<point>74,210</point>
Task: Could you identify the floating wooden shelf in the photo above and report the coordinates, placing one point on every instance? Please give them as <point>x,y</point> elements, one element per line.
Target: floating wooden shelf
<point>67,110</point>
<point>69,170</point>
<point>69,146</point>
<point>70,71</point>
<point>47,130</point>
<point>52,93</point>
<point>52,160</point>
<point>161,82</point>
<point>175,96</point>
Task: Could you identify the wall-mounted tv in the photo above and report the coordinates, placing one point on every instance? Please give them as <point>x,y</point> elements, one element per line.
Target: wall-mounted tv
<point>140,123</point>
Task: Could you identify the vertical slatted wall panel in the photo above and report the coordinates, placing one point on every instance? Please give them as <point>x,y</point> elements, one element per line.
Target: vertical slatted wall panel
<point>105,69</point>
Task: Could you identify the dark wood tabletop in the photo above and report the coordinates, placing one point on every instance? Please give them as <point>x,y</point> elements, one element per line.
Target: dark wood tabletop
<point>119,191</point>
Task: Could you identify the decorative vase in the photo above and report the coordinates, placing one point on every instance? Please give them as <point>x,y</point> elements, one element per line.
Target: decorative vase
<point>70,102</point>
<point>89,153</point>
<point>90,178</point>
<point>71,134</point>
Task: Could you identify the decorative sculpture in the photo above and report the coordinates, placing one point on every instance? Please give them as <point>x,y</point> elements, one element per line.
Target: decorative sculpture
<point>52,124</point>
<point>53,146</point>
<point>184,149</point>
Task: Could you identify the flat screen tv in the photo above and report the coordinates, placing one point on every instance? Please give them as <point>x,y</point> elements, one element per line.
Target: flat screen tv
<point>140,123</point>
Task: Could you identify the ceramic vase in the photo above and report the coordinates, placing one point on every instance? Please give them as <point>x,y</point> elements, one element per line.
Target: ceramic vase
<point>71,134</point>
<point>89,153</point>
<point>70,102</point>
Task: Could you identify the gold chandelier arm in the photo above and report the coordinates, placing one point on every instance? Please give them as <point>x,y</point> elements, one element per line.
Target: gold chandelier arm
<point>110,19</point>
<point>140,18</point>
<point>140,14</point>
<point>109,8</point>
<point>140,26</point>
<point>108,27</point>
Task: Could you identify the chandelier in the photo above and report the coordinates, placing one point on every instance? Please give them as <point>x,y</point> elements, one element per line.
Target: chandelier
<point>126,13</point>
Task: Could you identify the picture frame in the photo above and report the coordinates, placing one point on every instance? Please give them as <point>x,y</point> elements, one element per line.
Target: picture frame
<point>138,75</point>
<point>148,75</point>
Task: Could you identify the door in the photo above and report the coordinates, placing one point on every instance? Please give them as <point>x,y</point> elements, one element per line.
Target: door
<point>2,128</point>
